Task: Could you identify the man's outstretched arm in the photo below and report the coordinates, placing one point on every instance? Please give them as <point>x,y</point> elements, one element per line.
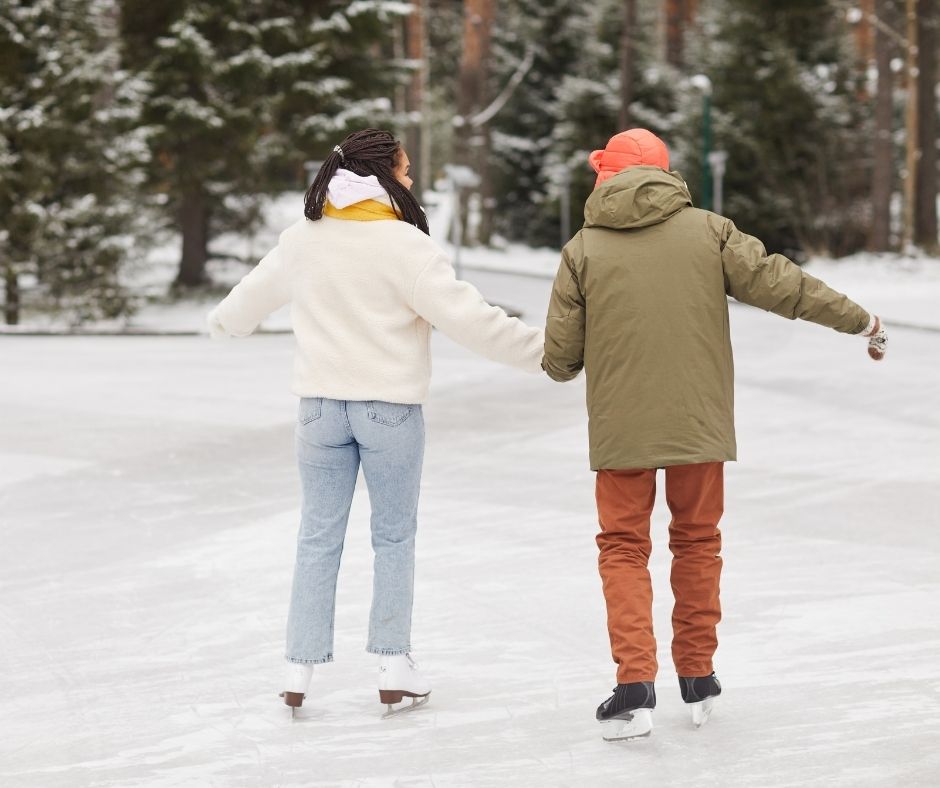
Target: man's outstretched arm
<point>773,283</point>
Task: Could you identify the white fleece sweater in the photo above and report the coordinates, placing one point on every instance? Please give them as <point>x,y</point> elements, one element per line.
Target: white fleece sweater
<point>364,295</point>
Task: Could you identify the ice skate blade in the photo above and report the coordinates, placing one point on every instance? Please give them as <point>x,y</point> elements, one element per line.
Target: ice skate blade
<point>701,711</point>
<point>634,725</point>
<point>417,701</point>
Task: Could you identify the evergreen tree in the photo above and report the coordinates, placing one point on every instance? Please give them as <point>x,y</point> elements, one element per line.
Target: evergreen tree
<point>787,111</point>
<point>568,105</point>
<point>66,157</point>
<point>445,22</point>
<point>242,93</point>
<point>526,155</point>
<point>928,45</point>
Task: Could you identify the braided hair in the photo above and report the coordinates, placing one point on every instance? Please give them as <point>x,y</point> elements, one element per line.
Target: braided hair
<point>367,152</point>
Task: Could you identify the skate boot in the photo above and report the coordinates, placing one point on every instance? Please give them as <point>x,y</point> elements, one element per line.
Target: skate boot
<point>628,713</point>
<point>700,693</point>
<point>296,680</point>
<point>400,677</point>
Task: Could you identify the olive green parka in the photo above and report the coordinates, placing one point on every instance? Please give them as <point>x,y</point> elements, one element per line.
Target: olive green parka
<point>640,303</point>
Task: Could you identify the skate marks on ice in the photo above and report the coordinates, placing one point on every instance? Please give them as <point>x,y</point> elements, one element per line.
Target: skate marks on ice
<point>159,635</point>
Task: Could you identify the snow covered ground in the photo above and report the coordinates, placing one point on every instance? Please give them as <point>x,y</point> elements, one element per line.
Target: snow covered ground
<point>149,505</point>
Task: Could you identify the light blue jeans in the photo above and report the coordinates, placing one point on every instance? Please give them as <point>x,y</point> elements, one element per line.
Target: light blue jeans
<point>333,437</point>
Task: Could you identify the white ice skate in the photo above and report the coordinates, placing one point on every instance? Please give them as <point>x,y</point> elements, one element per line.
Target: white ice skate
<point>296,681</point>
<point>399,678</point>
<point>701,711</point>
<point>636,724</point>
<point>700,694</point>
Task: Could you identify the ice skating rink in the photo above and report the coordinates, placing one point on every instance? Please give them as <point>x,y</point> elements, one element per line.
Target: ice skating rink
<point>149,506</point>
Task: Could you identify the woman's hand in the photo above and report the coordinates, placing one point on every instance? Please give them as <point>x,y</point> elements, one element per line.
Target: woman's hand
<point>216,330</point>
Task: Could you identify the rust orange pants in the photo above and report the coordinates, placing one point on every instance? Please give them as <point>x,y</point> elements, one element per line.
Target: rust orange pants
<point>695,495</point>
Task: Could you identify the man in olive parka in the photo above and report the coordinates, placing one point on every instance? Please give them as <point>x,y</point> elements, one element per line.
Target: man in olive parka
<point>640,303</point>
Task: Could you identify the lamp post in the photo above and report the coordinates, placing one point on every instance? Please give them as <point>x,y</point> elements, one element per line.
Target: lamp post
<point>704,84</point>
<point>458,177</point>
<point>564,205</point>
<point>716,163</point>
<point>311,168</point>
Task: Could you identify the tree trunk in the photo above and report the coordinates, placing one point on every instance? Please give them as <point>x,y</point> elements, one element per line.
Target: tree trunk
<point>912,125</point>
<point>107,19</point>
<point>194,223</point>
<point>415,104</point>
<point>11,307</point>
<point>472,141</point>
<point>925,218</point>
<point>487,199</point>
<point>627,62</point>
<point>864,30</point>
<point>427,182</point>
<point>679,15</point>
<point>883,150</point>
<point>477,32</point>
<point>400,92</point>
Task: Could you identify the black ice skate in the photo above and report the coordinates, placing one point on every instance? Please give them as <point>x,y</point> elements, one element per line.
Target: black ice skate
<point>700,693</point>
<point>628,713</point>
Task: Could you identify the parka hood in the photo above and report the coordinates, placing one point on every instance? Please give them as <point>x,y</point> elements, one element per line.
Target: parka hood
<point>637,197</point>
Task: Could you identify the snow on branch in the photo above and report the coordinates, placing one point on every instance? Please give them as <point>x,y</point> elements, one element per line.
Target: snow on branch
<point>499,102</point>
<point>854,15</point>
<point>380,7</point>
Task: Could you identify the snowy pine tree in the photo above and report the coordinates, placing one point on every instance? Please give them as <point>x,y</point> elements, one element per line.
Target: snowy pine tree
<point>66,157</point>
<point>786,106</point>
<point>567,105</point>
<point>241,94</point>
<point>546,39</point>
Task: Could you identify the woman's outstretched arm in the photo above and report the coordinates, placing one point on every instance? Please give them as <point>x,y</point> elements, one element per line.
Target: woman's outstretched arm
<point>459,310</point>
<point>261,291</point>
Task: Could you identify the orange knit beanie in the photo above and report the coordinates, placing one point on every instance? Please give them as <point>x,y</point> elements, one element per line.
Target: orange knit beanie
<point>629,149</point>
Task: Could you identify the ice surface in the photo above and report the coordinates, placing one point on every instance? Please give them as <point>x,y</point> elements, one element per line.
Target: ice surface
<point>149,505</point>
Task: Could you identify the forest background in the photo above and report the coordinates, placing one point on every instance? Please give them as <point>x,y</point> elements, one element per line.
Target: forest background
<point>127,124</point>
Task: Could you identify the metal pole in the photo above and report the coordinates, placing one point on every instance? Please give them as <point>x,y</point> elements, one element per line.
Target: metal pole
<point>311,168</point>
<point>718,198</point>
<point>706,150</point>
<point>457,226</point>
<point>565,206</point>
<point>424,156</point>
<point>716,161</point>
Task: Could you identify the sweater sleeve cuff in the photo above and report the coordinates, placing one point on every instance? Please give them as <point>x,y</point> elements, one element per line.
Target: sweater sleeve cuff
<point>216,329</point>
<point>866,328</point>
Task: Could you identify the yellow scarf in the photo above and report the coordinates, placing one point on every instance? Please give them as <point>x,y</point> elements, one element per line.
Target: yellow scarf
<point>363,211</point>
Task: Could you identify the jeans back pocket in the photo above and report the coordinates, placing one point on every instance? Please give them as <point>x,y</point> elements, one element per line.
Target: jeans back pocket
<point>391,414</point>
<point>310,409</point>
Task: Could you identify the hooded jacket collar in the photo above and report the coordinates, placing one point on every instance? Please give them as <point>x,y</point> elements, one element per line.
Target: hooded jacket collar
<point>637,197</point>
<point>347,188</point>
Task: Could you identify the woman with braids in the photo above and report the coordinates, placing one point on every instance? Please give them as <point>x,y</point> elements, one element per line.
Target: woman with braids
<point>365,284</point>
